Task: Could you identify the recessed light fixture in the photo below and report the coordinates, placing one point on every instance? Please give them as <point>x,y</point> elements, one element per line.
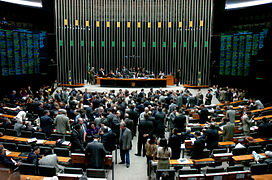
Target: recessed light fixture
<point>246,4</point>
<point>33,3</point>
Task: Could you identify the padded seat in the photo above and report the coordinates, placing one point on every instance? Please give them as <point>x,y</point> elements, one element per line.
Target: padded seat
<point>96,173</point>
<point>47,171</point>
<point>257,169</point>
<point>215,170</point>
<point>10,146</point>
<point>27,169</point>
<point>62,152</point>
<point>239,151</point>
<point>235,168</point>
<point>70,170</point>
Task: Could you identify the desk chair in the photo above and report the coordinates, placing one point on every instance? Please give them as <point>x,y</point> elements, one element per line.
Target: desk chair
<point>235,168</point>
<point>27,169</point>
<point>48,171</point>
<point>10,132</point>
<point>187,171</point>
<point>69,170</point>
<point>2,130</point>
<point>257,169</point>
<point>239,151</point>
<point>39,135</point>
<point>268,147</point>
<point>43,149</point>
<point>62,152</point>
<point>218,151</point>
<point>170,174</point>
<point>55,137</point>
<point>10,146</point>
<point>26,134</point>
<point>96,173</point>
<point>197,128</point>
<point>206,153</point>
<point>67,137</point>
<point>24,148</point>
<point>215,170</point>
<point>257,149</point>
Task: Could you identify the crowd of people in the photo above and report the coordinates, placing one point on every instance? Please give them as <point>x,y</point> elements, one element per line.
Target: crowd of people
<point>101,122</point>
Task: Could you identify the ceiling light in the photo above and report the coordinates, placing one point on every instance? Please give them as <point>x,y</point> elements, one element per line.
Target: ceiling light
<point>25,3</point>
<point>247,4</point>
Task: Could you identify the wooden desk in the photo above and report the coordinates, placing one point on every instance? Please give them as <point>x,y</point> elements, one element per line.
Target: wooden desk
<point>262,177</point>
<point>203,161</point>
<point>264,109</point>
<point>227,143</point>
<point>260,118</point>
<point>245,157</point>
<point>50,143</point>
<point>16,155</point>
<point>122,82</point>
<point>7,116</point>
<point>175,162</point>
<point>9,138</point>
<point>222,157</point>
<point>23,177</point>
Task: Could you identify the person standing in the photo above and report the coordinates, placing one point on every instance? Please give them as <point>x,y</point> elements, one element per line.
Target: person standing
<point>76,140</point>
<point>150,148</point>
<point>246,123</point>
<point>164,154</point>
<point>178,77</point>
<point>174,144</point>
<point>47,123</point>
<point>125,144</point>
<point>62,122</point>
<point>208,98</point>
<point>231,113</point>
<point>95,153</point>
<point>228,130</point>
<point>212,137</point>
<point>199,146</point>
<point>92,73</point>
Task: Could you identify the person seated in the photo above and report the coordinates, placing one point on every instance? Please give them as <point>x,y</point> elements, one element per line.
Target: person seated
<point>6,124</point>
<point>265,128</point>
<point>111,74</point>
<point>34,156</point>
<point>7,161</point>
<point>118,75</point>
<point>92,130</point>
<point>161,75</point>
<point>51,159</point>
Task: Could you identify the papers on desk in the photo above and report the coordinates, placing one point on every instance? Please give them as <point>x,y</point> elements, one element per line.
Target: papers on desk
<point>253,128</point>
<point>193,140</point>
<point>32,140</point>
<point>182,146</point>
<point>221,115</point>
<point>66,143</point>
<point>183,161</point>
<point>40,141</point>
<point>8,152</point>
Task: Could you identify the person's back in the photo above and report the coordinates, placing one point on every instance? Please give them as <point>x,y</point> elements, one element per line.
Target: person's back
<point>231,115</point>
<point>265,128</point>
<point>62,124</point>
<point>95,153</point>
<point>199,146</point>
<point>228,131</point>
<point>212,137</point>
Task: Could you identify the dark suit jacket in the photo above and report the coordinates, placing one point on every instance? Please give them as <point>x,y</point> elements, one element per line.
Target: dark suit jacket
<point>145,127</point>
<point>203,115</point>
<point>100,74</point>
<point>47,124</point>
<point>199,145</point>
<point>212,138</point>
<point>33,158</point>
<point>76,141</point>
<point>95,153</point>
<point>174,144</point>
<point>180,121</point>
<point>265,130</point>
<point>108,140</point>
<point>6,161</point>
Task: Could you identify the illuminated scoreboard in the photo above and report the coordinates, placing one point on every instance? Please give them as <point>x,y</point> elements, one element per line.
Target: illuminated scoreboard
<point>20,51</point>
<point>236,51</point>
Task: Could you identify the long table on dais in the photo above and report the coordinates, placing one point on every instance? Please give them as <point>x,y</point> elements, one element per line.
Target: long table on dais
<point>137,82</point>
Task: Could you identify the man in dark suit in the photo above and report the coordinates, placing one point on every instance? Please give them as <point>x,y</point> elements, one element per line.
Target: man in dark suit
<point>125,144</point>
<point>7,161</point>
<point>101,72</point>
<point>199,146</point>
<point>174,144</point>
<point>108,139</point>
<point>265,128</point>
<point>208,98</point>
<point>47,123</point>
<point>159,126</point>
<point>76,140</point>
<point>203,114</point>
<point>95,153</point>
<point>134,116</point>
<point>212,137</point>
<point>180,121</point>
<point>33,157</point>
<point>145,129</point>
